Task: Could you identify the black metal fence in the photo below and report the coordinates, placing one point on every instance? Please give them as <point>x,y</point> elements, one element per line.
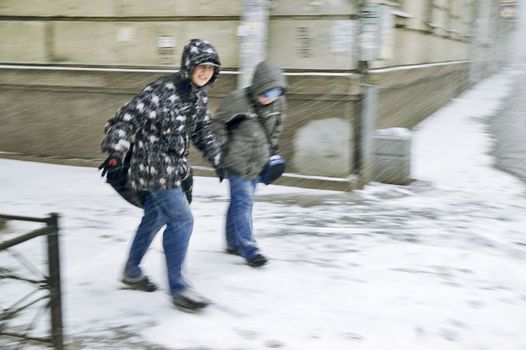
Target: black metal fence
<point>49,282</point>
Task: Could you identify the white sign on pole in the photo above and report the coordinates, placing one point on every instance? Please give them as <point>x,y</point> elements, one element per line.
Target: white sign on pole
<point>369,39</point>
<point>387,24</point>
<point>376,32</point>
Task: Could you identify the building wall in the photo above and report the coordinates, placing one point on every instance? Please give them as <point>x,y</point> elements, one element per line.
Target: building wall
<point>302,34</point>
<point>49,112</point>
<point>58,112</point>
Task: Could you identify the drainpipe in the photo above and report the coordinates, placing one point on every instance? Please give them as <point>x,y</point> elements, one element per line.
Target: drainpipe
<point>253,36</point>
<point>367,50</point>
<point>474,65</point>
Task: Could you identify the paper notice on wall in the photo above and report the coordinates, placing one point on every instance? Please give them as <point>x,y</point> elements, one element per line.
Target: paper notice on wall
<point>125,34</point>
<point>166,49</point>
<point>341,36</point>
<point>165,41</point>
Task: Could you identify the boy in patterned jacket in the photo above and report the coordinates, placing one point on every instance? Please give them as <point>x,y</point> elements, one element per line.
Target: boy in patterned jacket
<point>160,122</point>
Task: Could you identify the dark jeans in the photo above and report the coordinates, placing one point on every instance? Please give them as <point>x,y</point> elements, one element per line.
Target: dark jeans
<point>239,229</point>
<point>170,208</point>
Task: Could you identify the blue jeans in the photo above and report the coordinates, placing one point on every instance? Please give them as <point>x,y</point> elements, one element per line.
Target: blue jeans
<point>170,208</point>
<point>239,227</point>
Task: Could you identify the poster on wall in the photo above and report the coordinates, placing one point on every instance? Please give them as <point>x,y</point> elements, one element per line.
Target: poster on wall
<point>342,33</point>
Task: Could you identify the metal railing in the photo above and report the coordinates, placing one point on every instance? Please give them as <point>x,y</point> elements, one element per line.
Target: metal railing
<point>50,282</point>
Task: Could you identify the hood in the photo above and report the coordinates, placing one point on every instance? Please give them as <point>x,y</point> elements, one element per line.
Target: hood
<point>196,52</point>
<point>267,75</point>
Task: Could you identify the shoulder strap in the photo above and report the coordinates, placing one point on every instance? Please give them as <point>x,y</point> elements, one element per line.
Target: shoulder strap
<point>251,101</point>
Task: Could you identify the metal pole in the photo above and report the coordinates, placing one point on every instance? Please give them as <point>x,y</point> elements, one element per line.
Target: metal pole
<point>368,125</point>
<point>26,237</point>
<point>368,50</point>
<point>22,218</point>
<point>253,34</point>
<point>54,283</point>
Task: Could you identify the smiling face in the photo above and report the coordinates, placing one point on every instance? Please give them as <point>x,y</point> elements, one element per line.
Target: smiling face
<point>202,74</point>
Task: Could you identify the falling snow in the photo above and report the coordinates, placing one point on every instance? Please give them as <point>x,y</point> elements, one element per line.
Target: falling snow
<point>438,264</point>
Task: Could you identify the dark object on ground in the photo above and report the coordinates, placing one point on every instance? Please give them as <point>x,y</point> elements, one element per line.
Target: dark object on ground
<point>257,261</point>
<point>144,285</point>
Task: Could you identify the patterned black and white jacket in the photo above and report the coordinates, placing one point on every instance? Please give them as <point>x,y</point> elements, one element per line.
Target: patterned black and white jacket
<point>160,122</point>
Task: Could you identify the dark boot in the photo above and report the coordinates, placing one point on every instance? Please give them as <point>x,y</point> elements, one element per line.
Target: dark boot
<point>143,284</point>
<point>190,301</point>
<point>257,261</point>
<point>232,251</point>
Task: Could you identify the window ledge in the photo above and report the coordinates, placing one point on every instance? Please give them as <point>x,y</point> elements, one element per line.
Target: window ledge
<point>400,13</point>
<point>400,17</point>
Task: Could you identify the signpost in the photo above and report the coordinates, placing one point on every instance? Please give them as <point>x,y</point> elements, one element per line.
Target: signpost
<point>369,50</point>
<point>375,43</point>
<point>253,34</point>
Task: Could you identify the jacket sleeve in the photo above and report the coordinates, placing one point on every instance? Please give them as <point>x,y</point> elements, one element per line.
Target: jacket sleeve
<point>232,111</point>
<point>222,117</point>
<point>204,138</point>
<point>219,126</point>
<point>120,129</point>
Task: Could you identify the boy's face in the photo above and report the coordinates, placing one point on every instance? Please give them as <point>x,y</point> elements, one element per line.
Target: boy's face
<point>269,96</point>
<point>264,101</point>
<point>202,74</point>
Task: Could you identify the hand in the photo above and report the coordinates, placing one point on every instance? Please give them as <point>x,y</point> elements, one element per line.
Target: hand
<point>186,186</point>
<point>110,163</point>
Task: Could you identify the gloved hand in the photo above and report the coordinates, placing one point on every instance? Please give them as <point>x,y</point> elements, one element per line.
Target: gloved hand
<point>220,171</point>
<point>186,186</point>
<point>110,163</point>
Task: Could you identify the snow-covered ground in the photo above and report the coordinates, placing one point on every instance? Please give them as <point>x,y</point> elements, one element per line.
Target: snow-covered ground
<point>439,264</point>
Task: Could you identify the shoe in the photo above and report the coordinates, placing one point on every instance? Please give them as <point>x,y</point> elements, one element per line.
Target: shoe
<point>143,284</point>
<point>190,301</point>
<point>232,251</point>
<point>257,261</point>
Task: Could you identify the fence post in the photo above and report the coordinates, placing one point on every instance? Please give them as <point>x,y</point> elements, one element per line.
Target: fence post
<point>54,282</point>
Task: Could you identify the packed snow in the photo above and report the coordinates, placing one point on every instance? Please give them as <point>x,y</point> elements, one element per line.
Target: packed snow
<point>439,264</point>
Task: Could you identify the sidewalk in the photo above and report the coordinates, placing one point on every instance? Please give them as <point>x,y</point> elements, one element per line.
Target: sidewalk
<point>438,264</point>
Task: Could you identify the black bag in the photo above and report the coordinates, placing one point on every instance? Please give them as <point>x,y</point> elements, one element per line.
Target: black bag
<point>274,168</point>
<point>117,177</point>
